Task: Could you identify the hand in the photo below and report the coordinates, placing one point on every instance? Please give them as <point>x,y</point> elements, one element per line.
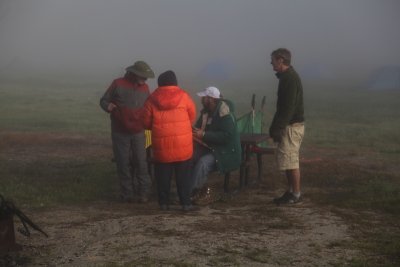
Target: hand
<point>277,138</point>
<point>198,133</point>
<point>111,107</point>
<point>276,135</point>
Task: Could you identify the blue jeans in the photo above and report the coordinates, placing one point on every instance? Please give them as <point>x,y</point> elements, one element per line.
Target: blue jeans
<point>204,163</point>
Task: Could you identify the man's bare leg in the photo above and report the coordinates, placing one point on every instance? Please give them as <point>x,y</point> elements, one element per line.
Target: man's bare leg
<point>293,177</point>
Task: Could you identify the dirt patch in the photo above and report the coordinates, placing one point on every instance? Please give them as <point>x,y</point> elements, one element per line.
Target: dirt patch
<point>26,147</point>
<point>256,233</point>
<point>242,229</point>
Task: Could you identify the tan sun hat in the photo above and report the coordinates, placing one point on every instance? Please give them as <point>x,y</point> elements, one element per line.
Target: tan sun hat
<point>142,69</point>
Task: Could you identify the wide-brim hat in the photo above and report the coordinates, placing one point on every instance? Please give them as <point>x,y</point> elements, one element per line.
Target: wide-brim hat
<point>142,69</point>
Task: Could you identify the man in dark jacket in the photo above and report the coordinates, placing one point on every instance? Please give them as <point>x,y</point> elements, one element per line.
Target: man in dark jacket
<point>123,100</point>
<point>218,139</point>
<point>287,128</point>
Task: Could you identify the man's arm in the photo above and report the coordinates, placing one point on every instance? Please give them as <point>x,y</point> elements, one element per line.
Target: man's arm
<point>106,100</point>
<point>191,109</point>
<point>147,115</point>
<point>285,108</point>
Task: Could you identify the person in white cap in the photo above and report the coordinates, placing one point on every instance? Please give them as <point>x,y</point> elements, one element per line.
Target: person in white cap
<point>218,140</point>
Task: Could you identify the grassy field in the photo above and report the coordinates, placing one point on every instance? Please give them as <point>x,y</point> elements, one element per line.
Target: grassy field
<point>359,122</point>
<point>341,118</point>
<point>66,120</point>
<point>52,108</point>
<point>337,118</point>
<point>55,149</point>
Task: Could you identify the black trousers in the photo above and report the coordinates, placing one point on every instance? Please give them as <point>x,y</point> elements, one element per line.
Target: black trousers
<point>163,173</point>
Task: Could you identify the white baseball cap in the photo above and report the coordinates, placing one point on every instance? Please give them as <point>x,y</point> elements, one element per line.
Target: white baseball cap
<point>211,92</point>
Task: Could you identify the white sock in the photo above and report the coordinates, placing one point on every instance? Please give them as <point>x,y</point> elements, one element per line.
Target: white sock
<point>296,194</point>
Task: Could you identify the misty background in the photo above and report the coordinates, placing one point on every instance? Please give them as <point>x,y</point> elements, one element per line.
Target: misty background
<point>204,42</point>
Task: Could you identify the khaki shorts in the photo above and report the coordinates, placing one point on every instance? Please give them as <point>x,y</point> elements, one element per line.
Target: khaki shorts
<point>287,152</point>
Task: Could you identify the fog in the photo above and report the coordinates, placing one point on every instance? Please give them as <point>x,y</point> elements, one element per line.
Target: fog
<point>339,41</point>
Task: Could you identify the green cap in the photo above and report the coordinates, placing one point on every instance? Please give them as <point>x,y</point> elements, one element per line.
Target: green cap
<point>140,68</point>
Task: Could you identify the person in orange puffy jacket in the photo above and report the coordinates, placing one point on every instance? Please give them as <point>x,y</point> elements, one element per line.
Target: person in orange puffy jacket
<point>169,113</point>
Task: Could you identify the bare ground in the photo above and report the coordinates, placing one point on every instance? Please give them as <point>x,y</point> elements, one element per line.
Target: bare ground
<point>254,233</point>
<point>241,229</point>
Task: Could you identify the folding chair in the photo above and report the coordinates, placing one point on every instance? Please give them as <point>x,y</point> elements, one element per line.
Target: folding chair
<point>253,123</point>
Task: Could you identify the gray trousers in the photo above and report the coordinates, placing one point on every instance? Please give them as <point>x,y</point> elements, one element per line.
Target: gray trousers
<point>203,164</point>
<point>130,158</point>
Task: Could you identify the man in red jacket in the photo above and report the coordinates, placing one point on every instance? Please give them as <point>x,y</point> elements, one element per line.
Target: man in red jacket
<point>169,113</point>
<point>123,100</point>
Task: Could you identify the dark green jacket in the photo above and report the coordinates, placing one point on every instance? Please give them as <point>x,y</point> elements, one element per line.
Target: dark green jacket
<point>289,107</point>
<point>223,137</point>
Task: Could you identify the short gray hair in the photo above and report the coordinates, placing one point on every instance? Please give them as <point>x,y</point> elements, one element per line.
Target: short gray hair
<point>284,54</point>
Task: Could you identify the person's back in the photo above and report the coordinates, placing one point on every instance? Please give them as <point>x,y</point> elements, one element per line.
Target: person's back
<point>171,123</point>
<point>169,113</point>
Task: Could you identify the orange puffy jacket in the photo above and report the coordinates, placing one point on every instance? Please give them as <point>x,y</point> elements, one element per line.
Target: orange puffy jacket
<point>169,113</point>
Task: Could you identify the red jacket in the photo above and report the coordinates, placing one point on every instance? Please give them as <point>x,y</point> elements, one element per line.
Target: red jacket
<point>129,99</point>
<point>128,119</point>
<point>169,113</point>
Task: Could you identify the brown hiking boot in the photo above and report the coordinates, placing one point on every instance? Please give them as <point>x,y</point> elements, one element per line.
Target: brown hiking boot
<point>204,197</point>
<point>195,194</point>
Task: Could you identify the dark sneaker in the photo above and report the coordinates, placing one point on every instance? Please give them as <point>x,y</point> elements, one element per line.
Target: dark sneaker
<point>294,200</point>
<point>283,199</point>
<point>126,199</point>
<point>188,208</point>
<point>287,198</point>
<point>164,207</point>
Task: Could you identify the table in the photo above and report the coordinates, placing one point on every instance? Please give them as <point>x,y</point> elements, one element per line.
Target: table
<point>248,141</point>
